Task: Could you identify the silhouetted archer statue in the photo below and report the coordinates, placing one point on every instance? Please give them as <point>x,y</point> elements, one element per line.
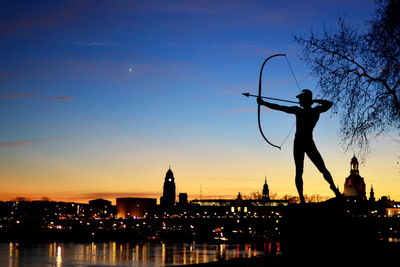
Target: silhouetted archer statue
<point>306,119</point>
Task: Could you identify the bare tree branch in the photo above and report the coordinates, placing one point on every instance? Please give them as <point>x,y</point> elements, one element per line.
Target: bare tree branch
<point>360,73</point>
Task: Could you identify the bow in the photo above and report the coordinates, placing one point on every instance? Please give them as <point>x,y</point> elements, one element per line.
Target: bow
<point>259,94</point>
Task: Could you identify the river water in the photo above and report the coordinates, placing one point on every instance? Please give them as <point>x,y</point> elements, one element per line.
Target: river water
<point>124,254</point>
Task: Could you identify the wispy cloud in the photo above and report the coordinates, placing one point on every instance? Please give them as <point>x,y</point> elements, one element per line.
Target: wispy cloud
<point>56,98</point>
<point>31,141</point>
<point>91,43</point>
<point>167,130</point>
<point>16,143</point>
<point>15,96</point>
<point>86,196</point>
<point>230,46</point>
<point>112,195</point>
<point>57,16</point>
<point>241,110</point>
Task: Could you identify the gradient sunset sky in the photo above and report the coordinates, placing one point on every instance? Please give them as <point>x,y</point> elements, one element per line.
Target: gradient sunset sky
<point>98,98</point>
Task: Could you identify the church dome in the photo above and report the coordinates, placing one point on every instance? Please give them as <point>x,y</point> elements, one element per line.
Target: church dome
<point>354,185</point>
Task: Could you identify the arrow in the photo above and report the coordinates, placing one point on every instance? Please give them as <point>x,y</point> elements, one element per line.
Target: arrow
<point>271,98</point>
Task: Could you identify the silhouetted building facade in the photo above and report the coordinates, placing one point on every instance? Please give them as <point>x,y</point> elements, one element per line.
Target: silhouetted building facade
<point>354,186</point>
<point>183,199</point>
<point>169,195</point>
<point>135,207</point>
<point>101,208</point>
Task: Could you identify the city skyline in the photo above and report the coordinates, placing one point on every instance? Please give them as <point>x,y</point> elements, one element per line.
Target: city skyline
<point>97,100</point>
<point>247,195</point>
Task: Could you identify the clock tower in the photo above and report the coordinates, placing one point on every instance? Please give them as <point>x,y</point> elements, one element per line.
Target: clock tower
<point>169,195</point>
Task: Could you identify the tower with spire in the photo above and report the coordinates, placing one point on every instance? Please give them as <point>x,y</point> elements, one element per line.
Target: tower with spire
<point>372,195</point>
<point>169,190</point>
<point>265,191</point>
<point>354,186</point>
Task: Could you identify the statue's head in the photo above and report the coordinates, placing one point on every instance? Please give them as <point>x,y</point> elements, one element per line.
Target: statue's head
<point>305,98</point>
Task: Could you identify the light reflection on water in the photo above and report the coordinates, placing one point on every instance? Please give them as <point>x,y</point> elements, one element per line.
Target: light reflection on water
<point>124,254</point>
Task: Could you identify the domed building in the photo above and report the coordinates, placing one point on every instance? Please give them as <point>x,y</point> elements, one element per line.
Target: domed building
<point>354,186</point>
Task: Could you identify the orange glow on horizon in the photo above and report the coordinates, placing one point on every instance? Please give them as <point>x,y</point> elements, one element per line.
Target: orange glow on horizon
<point>195,171</point>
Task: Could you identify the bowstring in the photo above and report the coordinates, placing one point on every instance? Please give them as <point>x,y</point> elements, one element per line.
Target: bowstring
<point>298,86</point>
<point>291,70</point>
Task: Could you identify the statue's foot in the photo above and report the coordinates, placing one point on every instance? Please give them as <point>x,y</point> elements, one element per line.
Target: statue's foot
<point>337,192</point>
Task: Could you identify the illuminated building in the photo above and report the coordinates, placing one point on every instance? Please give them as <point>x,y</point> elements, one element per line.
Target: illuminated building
<point>393,211</point>
<point>240,206</point>
<point>354,186</point>
<point>129,207</point>
<point>169,195</point>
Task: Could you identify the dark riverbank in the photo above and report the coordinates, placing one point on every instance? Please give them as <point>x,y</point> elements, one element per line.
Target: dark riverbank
<point>385,254</point>
<point>277,260</point>
<point>326,233</point>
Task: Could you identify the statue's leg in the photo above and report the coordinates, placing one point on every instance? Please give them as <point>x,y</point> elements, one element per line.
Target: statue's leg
<point>298,153</point>
<point>316,158</point>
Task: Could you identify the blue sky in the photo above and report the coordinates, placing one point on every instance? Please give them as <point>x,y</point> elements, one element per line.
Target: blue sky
<point>99,97</point>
